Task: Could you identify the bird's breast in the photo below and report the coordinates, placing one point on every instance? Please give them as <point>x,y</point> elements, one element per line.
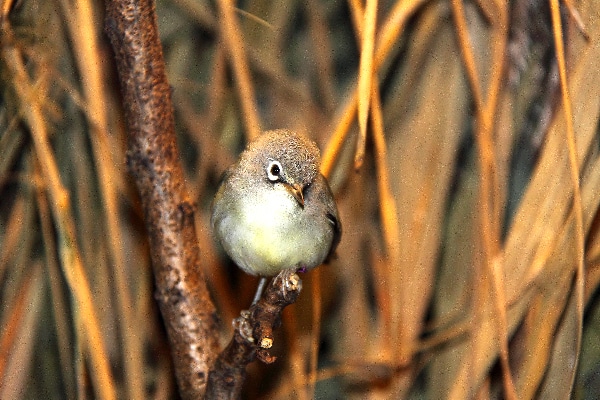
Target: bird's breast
<point>266,230</point>
<point>270,212</point>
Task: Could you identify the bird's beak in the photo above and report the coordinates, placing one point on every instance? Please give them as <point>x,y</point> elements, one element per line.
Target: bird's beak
<point>296,191</point>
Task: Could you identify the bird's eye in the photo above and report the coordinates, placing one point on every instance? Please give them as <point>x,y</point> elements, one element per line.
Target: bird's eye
<point>274,170</point>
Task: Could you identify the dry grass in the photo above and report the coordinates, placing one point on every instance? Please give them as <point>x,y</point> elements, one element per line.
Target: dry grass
<point>470,259</point>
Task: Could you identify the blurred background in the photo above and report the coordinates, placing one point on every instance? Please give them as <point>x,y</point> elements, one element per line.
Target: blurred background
<point>469,263</point>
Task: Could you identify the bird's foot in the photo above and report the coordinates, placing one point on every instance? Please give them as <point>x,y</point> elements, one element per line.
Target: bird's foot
<point>302,270</point>
<point>243,326</point>
<point>292,284</point>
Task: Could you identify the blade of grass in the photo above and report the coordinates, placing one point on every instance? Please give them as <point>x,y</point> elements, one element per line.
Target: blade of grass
<point>10,143</point>
<point>389,33</point>
<point>366,78</point>
<point>546,195</point>
<point>393,26</point>
<point>489,189</point>
<point>232,38</point>
<point>85,38</point>
<point>389,220</point>
<point>338,136</point>
<point>18,334</point>
<point>315,333</point>
<point>574,170</point>
<point>11,237</point>
<point>297,354</point>
<point>71,260</point>
<point>357,14</point>
<point>59,303</point>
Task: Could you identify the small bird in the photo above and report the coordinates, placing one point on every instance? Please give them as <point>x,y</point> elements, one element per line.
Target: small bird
<point>274,210</point>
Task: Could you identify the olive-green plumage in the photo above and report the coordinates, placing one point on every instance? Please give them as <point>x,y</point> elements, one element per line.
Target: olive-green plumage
<point>274,210</point>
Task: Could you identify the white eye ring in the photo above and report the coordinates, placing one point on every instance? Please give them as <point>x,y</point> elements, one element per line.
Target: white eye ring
<point>274,170</point>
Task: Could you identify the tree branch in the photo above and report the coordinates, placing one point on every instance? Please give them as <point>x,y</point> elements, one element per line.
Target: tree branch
<point>253,337</point>
<point>153,160</point>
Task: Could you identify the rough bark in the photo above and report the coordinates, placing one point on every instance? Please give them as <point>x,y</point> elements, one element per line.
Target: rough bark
<point>153,160</point>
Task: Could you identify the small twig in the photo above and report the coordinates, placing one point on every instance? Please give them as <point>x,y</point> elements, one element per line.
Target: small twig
<point>253,337</point>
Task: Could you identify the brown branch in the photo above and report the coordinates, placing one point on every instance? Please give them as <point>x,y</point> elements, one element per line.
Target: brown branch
<point>253,337</point>
<point>153,160</point>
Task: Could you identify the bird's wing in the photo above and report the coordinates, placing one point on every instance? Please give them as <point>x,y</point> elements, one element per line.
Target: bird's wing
<point>331,214</point>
